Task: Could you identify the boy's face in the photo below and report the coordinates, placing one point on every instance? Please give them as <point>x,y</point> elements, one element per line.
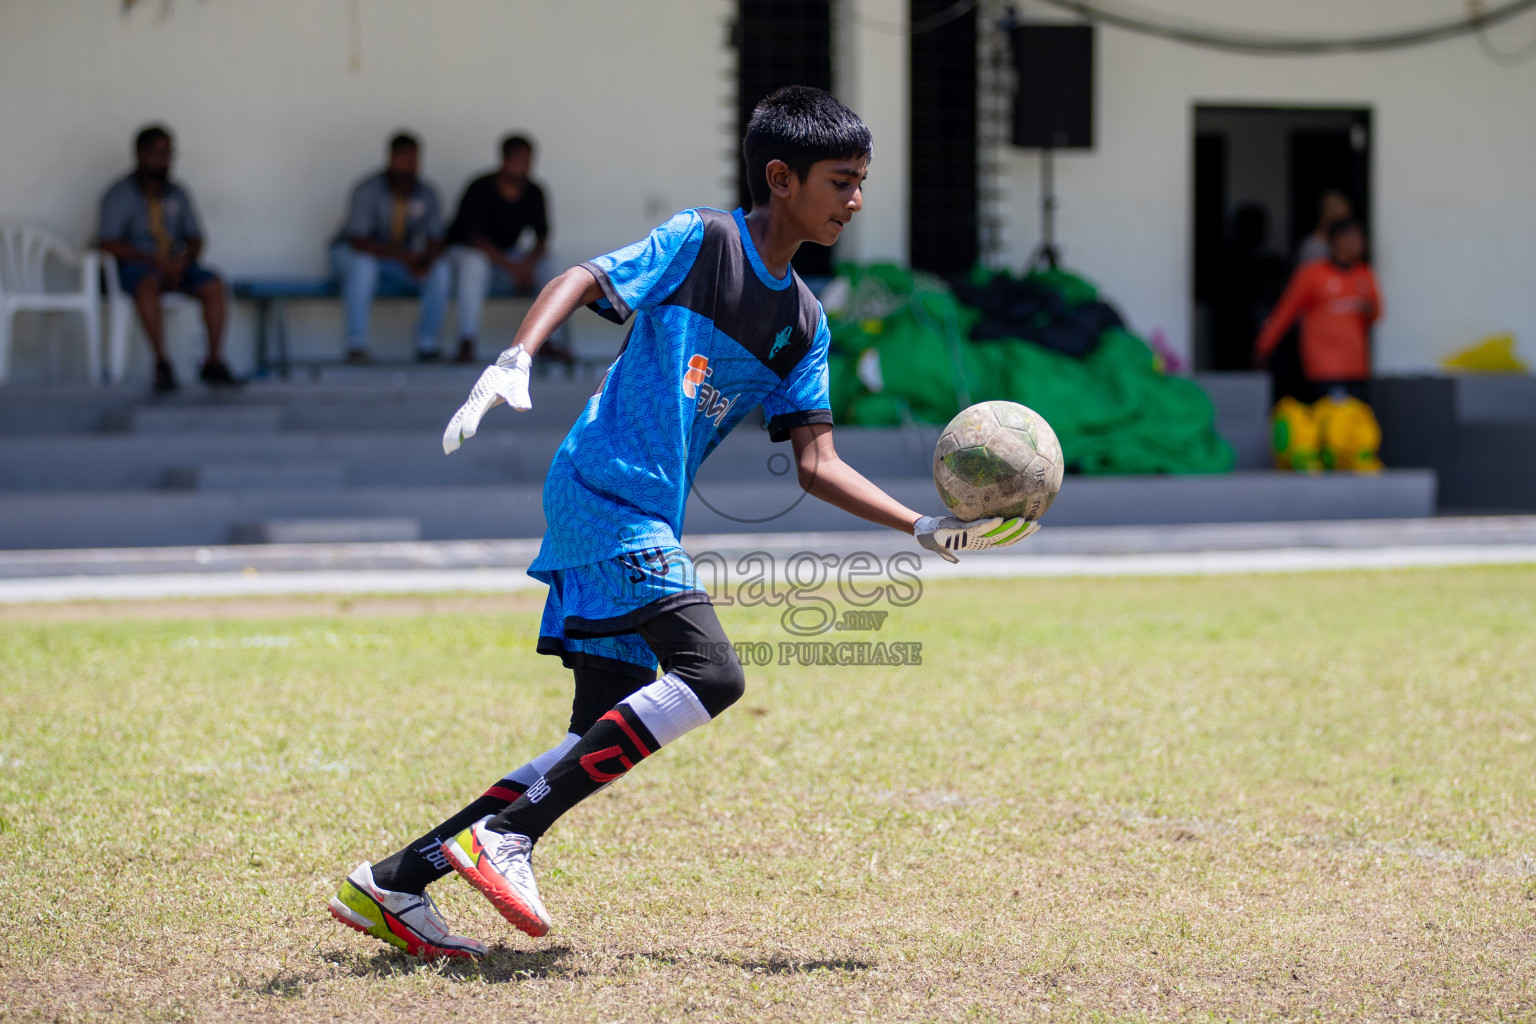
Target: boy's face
<point>820,207</point>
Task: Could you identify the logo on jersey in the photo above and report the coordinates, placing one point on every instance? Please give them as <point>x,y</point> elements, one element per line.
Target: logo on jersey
<point>698,369</point>
<point>779,341</point>
<point>707,399</point>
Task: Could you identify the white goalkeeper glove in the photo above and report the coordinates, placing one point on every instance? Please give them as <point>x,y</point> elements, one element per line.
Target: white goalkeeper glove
<point>945,535</point>
<point>505,381</point>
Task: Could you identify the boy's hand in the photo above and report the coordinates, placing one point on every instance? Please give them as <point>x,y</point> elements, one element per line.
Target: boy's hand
<point>506,381</point>
<point>945,535</point>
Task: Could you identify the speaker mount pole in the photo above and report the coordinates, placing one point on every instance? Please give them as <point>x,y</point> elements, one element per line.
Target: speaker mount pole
<point>1046,254</point>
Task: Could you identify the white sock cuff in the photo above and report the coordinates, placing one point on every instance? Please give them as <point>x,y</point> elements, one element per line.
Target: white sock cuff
<point>531,772</point>
<point>668,707</point>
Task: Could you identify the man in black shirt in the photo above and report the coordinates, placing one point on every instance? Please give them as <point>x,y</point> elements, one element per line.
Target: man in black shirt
<point>488,235</point>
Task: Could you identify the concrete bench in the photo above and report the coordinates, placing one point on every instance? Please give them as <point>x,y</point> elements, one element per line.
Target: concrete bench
<point>271,295</point>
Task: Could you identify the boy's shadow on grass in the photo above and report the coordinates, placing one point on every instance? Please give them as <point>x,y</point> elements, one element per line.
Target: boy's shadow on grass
<point>500,965</point>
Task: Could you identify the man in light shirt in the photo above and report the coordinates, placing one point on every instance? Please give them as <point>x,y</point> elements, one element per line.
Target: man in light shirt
<point>393,235</point>
<point>149,225</point>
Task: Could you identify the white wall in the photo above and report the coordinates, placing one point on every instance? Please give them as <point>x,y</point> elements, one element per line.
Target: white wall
<point>1454,162</point>
<point>629,101</point>
<point>872,75</point>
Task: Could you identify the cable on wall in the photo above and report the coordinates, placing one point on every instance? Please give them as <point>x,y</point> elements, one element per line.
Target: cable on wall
<point>1262,45</point>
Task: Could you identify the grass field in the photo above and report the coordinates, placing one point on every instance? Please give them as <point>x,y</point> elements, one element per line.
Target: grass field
<point>1250,798</point>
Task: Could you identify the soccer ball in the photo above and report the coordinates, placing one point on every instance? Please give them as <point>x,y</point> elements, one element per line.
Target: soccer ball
<point>998,459</point>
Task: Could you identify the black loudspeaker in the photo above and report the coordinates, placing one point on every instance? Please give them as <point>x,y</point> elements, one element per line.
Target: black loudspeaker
<point>1053,108</point>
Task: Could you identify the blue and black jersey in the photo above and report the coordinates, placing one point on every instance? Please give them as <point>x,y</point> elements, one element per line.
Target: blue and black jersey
<point>714,335</point>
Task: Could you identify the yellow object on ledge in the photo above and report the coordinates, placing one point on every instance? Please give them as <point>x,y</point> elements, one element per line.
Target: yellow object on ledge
<point>1294,437</point>
<point>1349,435</point>
<point>1335,433</point>
<point>1494,354</point>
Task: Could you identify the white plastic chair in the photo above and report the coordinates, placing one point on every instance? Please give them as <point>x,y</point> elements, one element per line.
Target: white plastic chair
<point>122,317</point>
<point>24,254</point>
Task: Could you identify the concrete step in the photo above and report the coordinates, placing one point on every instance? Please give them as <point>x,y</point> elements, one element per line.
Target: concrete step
<point>1495,398</point>
<point>546,377</point>
<point>149,518</point>
<point>375,530</point>
<point>297,417</point>
<point>296,405</point>
<point>1491,468</point>
<point>62,410</point>
<point>1250,443</point>
<point>1237,395</point>
<point>398,458</point>
<point>143,462</point>
<point>1465,399</point>
<point>227,476</point>
<point>205,419</point>
<point>1241,497</point>
<point>1477,433</point>
<point>129,519</point>
<point>1242,402</point>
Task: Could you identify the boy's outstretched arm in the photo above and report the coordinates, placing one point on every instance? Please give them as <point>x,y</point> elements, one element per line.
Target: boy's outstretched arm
<point>556,302</point>
<point>826,476</point>
<point>507,379</point>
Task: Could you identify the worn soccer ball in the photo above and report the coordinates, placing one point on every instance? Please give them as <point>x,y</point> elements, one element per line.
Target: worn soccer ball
<point>998,459</point>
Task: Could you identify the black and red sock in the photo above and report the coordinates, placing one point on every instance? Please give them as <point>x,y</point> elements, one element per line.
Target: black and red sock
<point>617,742</point>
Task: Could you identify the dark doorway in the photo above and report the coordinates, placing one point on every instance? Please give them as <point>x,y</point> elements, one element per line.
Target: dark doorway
<point>1324,160</point>
<point>779,43</point>
<point>1259,176</point>
<point>944,236</point>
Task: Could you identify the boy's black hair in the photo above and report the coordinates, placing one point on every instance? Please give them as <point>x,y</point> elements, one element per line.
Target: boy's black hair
<point>403,140</point>
<point>1338,227</point>
<point>512,143</point>
<point>800,125</point>
<point>149,136</point>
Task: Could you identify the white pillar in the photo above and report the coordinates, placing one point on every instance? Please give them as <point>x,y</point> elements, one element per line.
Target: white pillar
<point>871,72</point>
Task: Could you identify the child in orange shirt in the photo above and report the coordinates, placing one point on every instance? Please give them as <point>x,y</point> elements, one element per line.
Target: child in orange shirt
<point>1337,301</point>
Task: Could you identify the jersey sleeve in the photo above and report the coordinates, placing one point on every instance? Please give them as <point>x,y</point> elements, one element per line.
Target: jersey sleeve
<point>805,395</point>
<point>645,273</point>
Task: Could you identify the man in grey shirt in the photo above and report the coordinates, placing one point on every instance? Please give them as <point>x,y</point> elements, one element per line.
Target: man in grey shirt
<point>394,236</point>
<point>149,225</point>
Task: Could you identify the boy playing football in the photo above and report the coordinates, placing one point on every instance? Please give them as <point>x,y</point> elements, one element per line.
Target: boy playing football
<point>721,324</point>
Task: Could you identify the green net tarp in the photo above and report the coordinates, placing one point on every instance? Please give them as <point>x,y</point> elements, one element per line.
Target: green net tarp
<point>902,353</point>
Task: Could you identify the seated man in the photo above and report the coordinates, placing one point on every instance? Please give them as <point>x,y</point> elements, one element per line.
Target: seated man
<point>496,212</point>
<point>394,232</point>
<point>148,224</point>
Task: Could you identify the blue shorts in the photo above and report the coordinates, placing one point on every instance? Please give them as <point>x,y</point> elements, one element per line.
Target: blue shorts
<point>592,611</point>
<point>194,277</point>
